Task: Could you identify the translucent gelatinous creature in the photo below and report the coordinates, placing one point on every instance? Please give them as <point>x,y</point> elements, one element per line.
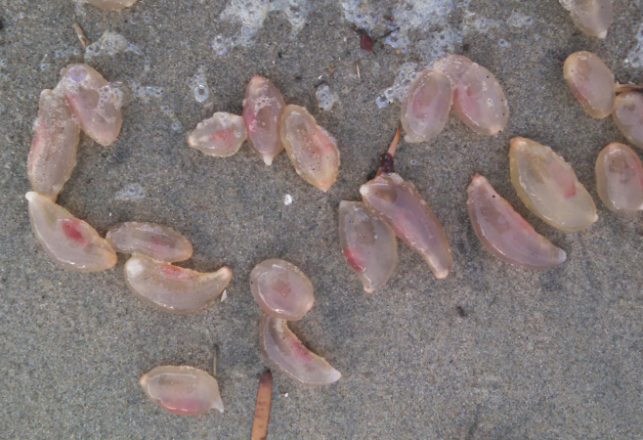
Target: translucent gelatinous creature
<point>288,355</point>
<point>155,241</point>
<point>478,98</point>
<point>628,115</point>
<point>368,243</point>
<point>548,186</point>
<point>221,135</point>
<point>262,108</point>
<point>591,82</point>
<point>173,289</point>
<point>182,390</point>
<point>504,233</point>
<point>111,5</point>
<point>281,289</point>
<point>619,177</point>
<point>69,242</point>
<point>426,106</point>
<point>592,17</point>
<point>95,102</point>
<point>52,157</point>
<point>398,203</point>
<point>311,149</point>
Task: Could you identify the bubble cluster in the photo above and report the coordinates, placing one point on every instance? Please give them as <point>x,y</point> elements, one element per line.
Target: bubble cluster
<point>398,90</point>
<point>110,44</point>
<point>221,44</point>
<point>326,98</point>
<point>110,94</point>
<point>249,15</point>
<point>66,53</point>
<point>149,94</point>
<point>476,23</point>
<point>427,18</point>
<point>145,93</point>
<point>519,20</point>
<point>131,193</point>
<point>175,125</point>
<point>635,56</point>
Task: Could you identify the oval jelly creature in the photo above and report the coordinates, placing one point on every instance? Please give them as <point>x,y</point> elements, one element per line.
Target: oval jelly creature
<point>281,289</point>
<point>155,241</point>
<point>311,149</point>
<point>426,106</point>
<point>111,5</point>
<point>95,103</point>
<point>591,82</point>
<point>628,115</point>
<point>399,204</point>
<point>368,243</point>
<point>619,177</point>
<point>173,289</point>
<point>262,108</point>
<point>182,390</point>
<point>548,186</point>
<point>504,233</point>
<point>69,242</point>
<point>52,157</point>
<point>478,98</point>
<point>288,355</point>
<point>592,17</point>
<point>220,136</point>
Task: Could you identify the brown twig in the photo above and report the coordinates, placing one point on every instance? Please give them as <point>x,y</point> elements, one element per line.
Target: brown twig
<point>84,41</point>
<point>386,160</point>
<point>622,88</point>
<point>393,147</point>
<point>262,407</point>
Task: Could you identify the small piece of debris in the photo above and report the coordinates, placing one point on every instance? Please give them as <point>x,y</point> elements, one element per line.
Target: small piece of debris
<point>262,408</point>
<point>84,41</point>
<point>366,42</point>
<point>287,200</point>
<point>224,295</point>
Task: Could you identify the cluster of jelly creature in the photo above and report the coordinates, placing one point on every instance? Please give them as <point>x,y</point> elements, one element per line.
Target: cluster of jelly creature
<point>270,127</point>
<point>455,81</point>
<point>544,182</point>
<point>284,294</point>
<point>391,207</point>
<point>84,100</point>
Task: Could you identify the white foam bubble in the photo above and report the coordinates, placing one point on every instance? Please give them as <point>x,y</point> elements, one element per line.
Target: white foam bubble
<point>131,193</point>
<point>250,15</point>
<point>403,81</point>
<point>326,98</point>
<point>110,44</point>
<point>635,56</point>
<point>200,88</point>
<point>428,19</point>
